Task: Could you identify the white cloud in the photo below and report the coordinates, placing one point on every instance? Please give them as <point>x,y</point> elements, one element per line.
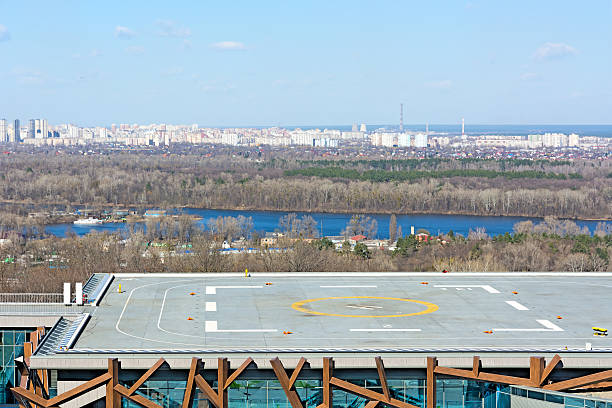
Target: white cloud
<point>124,33</point>
<point>4,33</point>
<point>441,84</point>
<point>550,51</point>
<point>135,50</point>
<point>529,76</point>
<point>228,45</point>
<point>168,28</point>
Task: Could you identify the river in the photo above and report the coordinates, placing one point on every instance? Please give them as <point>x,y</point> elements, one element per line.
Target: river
<point>333,224</point>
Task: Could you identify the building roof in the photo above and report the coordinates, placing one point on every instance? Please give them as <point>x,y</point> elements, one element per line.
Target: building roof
<point>358,313</point>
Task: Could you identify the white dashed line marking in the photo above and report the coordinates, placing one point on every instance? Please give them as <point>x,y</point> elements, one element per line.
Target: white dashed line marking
<point>516,305</point>
<point>210,326</point>
<point>488,288</point>
<point>211,306</point>
<point>550,327</point>
<point>385,330</point>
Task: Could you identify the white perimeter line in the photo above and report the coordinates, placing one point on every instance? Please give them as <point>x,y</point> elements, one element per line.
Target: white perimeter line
<point>211,306</point>
<point>516,305</point>
<point>488,288</point>
<point>385,330</point>
<point>210,326</point>
<point>550,327</point>
<point>212,290</point>
<point>348,286</point>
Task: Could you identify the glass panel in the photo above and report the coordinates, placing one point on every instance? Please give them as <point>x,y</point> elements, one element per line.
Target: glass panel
<point>519,391</point>
<point>574,402</point>
<point>554,398</point>
<point>503,400</point>
<point>536,395</point>
<point>589,403</point>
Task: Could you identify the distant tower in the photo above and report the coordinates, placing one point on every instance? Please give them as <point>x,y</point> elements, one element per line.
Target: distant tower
<point>17,133</point>
<point>354,128</point>
<point>401,117</point>
<point>427,128</point>
<point>363,128</point>
<point>463,128</point>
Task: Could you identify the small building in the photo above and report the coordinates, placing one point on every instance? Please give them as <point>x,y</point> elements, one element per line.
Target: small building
<point>357,238</point>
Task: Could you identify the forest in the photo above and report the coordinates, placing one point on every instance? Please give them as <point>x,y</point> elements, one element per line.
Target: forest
<point>569,189</point>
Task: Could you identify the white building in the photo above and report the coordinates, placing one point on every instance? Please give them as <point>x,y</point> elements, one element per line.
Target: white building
<point>3,131</point>
<point>420,140</point>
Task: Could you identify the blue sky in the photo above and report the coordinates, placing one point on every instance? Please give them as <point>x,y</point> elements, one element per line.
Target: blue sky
<point>306,63</point>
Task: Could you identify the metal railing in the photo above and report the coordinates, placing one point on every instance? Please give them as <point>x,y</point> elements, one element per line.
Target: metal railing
<point>31,298</point>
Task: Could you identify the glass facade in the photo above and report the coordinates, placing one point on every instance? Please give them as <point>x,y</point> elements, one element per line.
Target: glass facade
<point>11,347</point>
<point>451,393</point>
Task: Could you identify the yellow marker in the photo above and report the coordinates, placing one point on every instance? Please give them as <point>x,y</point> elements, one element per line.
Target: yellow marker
<point>600,329</point>
<point>246,273</point>
<point>119,290</point>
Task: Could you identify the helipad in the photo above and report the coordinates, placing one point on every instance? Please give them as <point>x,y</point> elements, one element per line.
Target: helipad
<point>386,312</point>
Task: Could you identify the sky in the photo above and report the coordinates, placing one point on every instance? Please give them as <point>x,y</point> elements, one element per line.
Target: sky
<point>265,63</point>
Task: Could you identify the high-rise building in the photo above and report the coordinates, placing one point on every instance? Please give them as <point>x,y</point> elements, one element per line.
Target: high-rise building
<point>401,127</point>
<point>32,129</point>
<point>363,128</point>
<point>17,131</point>
<point>354,128</point>
<point>3,131</point>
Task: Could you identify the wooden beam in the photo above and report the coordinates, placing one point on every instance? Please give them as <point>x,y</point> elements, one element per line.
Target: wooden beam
<point>552,364</point>
<point>193,370</point>
<point>380,367</point>
<point>236,373</point>
<point>536,369</point>
<point>113,399</point>
<point>328,372</point>
<point>432,366</point>
<point>476,366</point>
<point>212,396</point>
<point>580,381</point>
<point>504,379</point>
<point>139,399</point>
<point>146,376</point>
<point>30,396</point>
<point>27,352</point>
<point>283,379</point>
<point>296,371</point>
<point>80,390</point>
<point>367,393</point>
<point>372,404</point>
<point>222,374</point>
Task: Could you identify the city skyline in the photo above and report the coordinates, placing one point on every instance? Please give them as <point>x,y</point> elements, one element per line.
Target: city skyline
<point>311,64</point>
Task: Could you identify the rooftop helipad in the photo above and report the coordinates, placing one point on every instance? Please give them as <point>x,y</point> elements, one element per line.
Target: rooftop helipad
<point>274,313</point>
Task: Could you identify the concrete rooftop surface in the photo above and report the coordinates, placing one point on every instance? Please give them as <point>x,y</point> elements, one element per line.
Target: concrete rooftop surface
<point>344,312</point>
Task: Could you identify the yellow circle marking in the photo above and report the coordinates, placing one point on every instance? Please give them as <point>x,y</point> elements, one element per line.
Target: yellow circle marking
<point>430,307</point>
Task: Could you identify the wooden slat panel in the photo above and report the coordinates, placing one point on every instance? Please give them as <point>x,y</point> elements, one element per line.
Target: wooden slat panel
<point>552,364</point>
<point>207,389</point>
<point>193,370</point>
<point>504,379</point>
<point>476,366</point>
<point>239,371</point>
<point>80,390</point>
<point>146,376</point>
<point>296,371</point>
<point>222,374</point>
<point>536,369</point>
<point>432,365</point>
<point>113,399</point>
<point>283,379</point>
<point>380,367</point>
<point>367,393</point>
<point>580,381</point>
<point>30,396</point>
<point>328,372</point>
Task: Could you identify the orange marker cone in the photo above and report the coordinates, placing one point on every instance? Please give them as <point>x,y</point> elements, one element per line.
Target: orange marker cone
<point>488,331</point>
<point>190,318</point>
<point>559,317</point>
<point>514,293</point>
<point>268,283</point>
<point>191,293</point>
<point>424,283</point>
